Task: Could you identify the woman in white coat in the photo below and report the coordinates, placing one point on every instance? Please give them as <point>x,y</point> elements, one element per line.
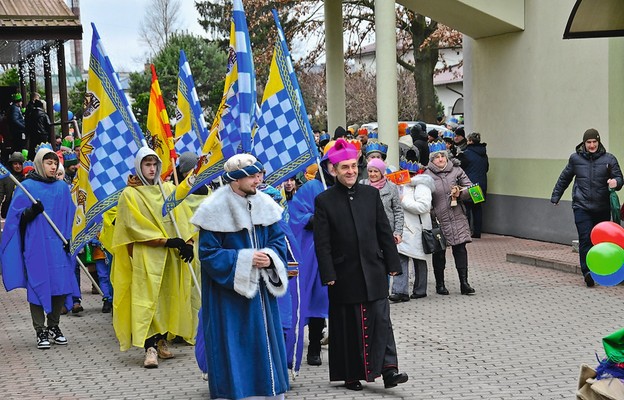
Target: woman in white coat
<point>416,203</point>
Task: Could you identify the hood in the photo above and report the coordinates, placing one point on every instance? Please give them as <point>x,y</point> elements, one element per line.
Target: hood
<point>422,179</point>
<point>478,148</point>
<point>141,154</point>
<point>39,160</point>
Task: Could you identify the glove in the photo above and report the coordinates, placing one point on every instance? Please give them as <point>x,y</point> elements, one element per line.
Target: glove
<point>31,212</point>
<point>310,225</point>
<point>175,243</point>
<point>186,253</point>
<point>66,246</point>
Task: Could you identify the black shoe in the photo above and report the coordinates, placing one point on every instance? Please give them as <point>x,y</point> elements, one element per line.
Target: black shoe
<point>589,280</point>
<point>476,236</point>
<point>314,359</point>
<point>441,289</point>
<point>398,297</point>
<point>355,385</point>
<point>417,296</point>
<point>392,380</point>
<point>107,306</point>
<point>466,288</point>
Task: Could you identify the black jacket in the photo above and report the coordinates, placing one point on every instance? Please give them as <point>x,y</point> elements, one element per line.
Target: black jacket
<point>354,243</point>
<point>590,172</point>
<point>475,163</point>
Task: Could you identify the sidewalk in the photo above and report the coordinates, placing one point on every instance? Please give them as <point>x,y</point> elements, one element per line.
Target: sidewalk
<point>522,336</point>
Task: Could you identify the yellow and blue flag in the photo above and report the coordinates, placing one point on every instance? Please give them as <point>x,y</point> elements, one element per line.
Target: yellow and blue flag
<point>111,137</point>
<point>231,130</point>
<point>191,131</point>
<point>283,142</point>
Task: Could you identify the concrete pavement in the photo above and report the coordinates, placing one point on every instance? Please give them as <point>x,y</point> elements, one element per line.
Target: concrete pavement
<point>522,336</point>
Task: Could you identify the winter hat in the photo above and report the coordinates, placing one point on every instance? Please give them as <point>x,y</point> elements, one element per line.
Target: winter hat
<point>17,157</point>
<point>460,131</point>
<point>187,161</point>
<point>434,134</point>
<point>377,163</point>
<point>342,151</point>
<point>591,134</point>
<point>240,166</point>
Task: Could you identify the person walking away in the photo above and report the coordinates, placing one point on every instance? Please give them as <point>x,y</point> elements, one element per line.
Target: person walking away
<point>243,260</point>
<point>356,252</point>
<point>594,171</point>
<point>474,161</point>
<point>448,208</point>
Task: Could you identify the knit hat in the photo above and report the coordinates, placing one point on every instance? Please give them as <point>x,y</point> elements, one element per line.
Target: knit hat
<point>16,157</point>
<point>460,131</point>
<point>339,132</point>
<point>591,134</point>
<point>240,166</point>
<point>342,151</point>
<point>187,161</point>
<point>377,163</point>
<point>434,134</point>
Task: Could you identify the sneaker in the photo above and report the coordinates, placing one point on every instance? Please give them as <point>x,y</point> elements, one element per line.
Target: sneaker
<point>57,335</point>
<point>151,358</point>
<point>43,342</point>
<point>107,306</point>
<point>163,349</point>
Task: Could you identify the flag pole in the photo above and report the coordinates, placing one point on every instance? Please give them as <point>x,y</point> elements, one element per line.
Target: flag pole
<point>55,228</point>
<point>177,229</point>
<point>318,162</point>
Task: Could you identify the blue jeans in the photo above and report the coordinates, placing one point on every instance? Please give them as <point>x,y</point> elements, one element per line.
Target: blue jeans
<point>585,222</point>
<point>103,272</point>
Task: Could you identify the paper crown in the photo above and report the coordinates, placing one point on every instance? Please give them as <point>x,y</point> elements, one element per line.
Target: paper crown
<point>356,143</point>
<point>324,137</point>
<point>68,143</point>
<point>29,164</point>
<point>43,146</point>
<point>373,135</point>
<point>409,166</point>
<point>448,134</point>
<point>436,146</point>
<point>69,158</point>
<point>376,146</point>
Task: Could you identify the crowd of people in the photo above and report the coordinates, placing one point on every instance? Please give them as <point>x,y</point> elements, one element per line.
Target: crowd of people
<point>336,241</point>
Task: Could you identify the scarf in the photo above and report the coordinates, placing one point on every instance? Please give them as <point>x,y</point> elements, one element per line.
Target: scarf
<point>379,184</point>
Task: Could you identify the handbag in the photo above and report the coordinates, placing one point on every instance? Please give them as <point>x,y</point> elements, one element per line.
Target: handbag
<point>433,239</point>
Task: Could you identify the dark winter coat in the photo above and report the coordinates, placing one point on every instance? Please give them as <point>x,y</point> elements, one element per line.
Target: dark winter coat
<point>420,142</point>
<point>354,243</point>
<point>590,171</point>
<point>474,161</point>
<point>452,219</point>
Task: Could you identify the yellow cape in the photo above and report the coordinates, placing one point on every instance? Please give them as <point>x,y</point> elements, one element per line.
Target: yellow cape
<point>153,287</point>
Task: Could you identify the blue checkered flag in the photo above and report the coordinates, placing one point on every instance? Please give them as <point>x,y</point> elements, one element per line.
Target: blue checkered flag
<point>191,131</point>
<point>283,141</point>
<point>111,137</point>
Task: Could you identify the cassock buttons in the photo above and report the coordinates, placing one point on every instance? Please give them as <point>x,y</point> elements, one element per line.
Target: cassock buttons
<point>350,197</point>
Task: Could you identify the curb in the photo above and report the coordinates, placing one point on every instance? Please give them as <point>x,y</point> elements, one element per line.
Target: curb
<point>542,262</point>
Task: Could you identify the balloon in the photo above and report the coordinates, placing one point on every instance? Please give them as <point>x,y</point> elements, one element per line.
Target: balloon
<point>56,107</point>
<point>605,258</point>
<point>608,231</point>
<point>609,280</point>
<point>70,115</point>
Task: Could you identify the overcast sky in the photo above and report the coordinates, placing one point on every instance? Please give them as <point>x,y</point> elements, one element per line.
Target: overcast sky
<point>117,22</point>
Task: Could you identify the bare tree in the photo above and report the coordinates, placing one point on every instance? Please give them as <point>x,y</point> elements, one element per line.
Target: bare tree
<point>161,20</point>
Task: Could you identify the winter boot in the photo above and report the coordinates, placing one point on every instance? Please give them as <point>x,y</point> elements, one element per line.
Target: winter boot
<point>439,277</point>
<point>463,281</point>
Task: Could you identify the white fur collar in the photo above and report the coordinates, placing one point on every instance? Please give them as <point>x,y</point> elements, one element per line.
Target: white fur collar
<point>226,211</point>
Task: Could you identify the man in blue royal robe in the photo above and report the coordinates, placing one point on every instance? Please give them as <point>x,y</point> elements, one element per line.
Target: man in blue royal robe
<point>242,252</point>
<point>33,256</point>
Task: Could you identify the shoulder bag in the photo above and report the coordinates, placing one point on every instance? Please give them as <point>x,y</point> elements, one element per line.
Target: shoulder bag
<point>433,239</point>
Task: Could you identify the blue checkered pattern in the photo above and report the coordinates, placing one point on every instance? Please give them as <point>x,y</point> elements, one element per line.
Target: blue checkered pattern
<point>246,80</point>
<point>284,141</point>
<point>194,139</point>
<point>113,156</point>
<point>3,172</point>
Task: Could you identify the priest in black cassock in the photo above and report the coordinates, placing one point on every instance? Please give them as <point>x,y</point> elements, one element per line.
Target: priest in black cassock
<point>356,253</point>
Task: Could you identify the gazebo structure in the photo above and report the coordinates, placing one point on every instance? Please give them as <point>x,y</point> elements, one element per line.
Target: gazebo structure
<point>35,28</point>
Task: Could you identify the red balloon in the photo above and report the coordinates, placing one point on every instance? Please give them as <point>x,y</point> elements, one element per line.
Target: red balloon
<point>608,231</point>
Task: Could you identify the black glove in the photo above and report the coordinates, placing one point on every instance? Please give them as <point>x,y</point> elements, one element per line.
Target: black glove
<point>186,253</point>
<point>175,243</point>
<point>310,225</point>
<point>31,212</point>
<point>66,246</point>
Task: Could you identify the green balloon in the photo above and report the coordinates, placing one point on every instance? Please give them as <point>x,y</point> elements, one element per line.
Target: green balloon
<point>605,258</point>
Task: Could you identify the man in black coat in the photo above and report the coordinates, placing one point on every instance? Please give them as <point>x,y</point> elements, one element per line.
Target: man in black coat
<point>475,163</point>
<point>356,253</point>
<point>595,172</point>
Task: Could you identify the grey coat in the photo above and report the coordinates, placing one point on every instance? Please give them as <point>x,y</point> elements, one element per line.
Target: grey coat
<point>452,219</point>
<point>392,205</point>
